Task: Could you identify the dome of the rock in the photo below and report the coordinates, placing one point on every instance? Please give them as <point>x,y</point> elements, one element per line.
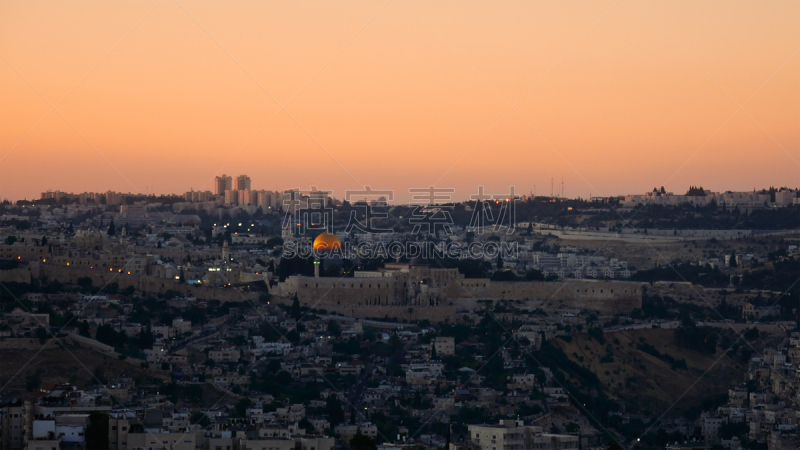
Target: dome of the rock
<point>327,241</point>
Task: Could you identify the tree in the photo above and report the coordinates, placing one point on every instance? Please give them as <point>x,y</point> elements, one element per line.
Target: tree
<point>200,418</point>
<point>284,378</point>
<point>333,408</point>
<point>242,405</point>
<point>41,333</point>
<point>274,241</point>
<point>109,336</point>
<point>296,312</point>
<point>729,430</point>
<point>361,442</point>
<point>33,381</point>
<point>499,262</point>
<point>732,262</point>
<point>306,425</point>
<point>194,393</point>
<point>145,338</point>
<point>112,230</point>
<point>534,275</point>
<point>97,431</point>
<point>596,333</point>
<point>85,282</point>
<point>334,329</point>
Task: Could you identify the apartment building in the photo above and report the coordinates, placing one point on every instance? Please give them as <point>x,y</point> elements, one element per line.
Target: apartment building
<point>444,346</point>
<point>514,435</point>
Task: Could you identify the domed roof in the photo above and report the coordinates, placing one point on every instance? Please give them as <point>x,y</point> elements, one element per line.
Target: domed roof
<point>327,241</point>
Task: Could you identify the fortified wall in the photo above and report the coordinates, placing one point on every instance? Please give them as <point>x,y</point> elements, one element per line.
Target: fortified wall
<point>604,296</point>
<point>406,290</point>
<point>144,283</point>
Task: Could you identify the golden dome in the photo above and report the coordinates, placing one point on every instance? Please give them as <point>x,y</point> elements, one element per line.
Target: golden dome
<point>327,241</point>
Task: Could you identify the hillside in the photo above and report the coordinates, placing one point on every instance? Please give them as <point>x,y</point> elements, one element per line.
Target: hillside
<point>646,382</point>
<point>79,366</point>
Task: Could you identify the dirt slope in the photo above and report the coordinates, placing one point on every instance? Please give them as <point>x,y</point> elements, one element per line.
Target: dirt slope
<point>647,382</point>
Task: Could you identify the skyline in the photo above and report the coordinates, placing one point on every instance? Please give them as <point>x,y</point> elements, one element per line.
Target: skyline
<point>400,224</point>
<point>366,195</point>
<point>616,97</point>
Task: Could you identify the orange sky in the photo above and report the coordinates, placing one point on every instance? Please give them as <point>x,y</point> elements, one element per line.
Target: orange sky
<point>615,97</point>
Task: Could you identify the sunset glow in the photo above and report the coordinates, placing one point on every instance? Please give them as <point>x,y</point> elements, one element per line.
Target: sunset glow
<point>612,96</point>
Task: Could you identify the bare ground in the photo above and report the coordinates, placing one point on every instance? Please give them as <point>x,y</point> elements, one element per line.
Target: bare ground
<point>79,365</point>
<point>647,382</point>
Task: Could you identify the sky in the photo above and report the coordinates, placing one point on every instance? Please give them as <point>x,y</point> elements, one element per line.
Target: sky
<point>612,96</point>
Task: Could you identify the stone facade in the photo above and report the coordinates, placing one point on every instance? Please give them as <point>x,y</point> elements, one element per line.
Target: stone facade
<point>428,287</point>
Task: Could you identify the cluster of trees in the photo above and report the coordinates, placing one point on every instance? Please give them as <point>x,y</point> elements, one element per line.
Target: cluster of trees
<point>703,275</point>
<point>700,339</point>
<point>123,343</point>
<point>107,335</point>
<point>649,349</point>
<point>686,216</point>
<point>507,275</point>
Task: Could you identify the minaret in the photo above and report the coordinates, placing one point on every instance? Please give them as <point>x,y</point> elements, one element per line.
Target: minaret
<point>226,252</point>
<point>316,268</point>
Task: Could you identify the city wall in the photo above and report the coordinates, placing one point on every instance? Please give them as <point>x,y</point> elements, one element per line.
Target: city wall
<point>409,313</point>
<point>20,275</point>
<point>29,344</point>
<point>665,235</point>
<point>92,344</point>
<point>377,297</point>
<point>144,283</point>
<point>609,297</point>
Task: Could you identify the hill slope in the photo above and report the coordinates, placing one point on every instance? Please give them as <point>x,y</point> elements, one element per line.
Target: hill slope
<point>629,370</point>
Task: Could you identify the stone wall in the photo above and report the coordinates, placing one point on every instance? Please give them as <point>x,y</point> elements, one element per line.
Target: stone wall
<point>144,283</point>
<point>29,344</point>
<point>351,294</point>
<point>92,344</point>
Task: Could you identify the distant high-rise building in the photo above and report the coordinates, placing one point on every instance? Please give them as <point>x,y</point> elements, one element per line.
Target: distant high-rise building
<point>231,197</point>
<point>246,197</point>
<point>269,200</point>
<point>134,214</point>
<point>242,183</point>
<point>50,194</point>
<point>319,198</point>
<point>222,183</point>
<point>114,198</point>
<point>197,196</point>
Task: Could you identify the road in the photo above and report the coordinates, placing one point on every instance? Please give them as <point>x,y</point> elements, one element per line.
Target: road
<point>224,324</point>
